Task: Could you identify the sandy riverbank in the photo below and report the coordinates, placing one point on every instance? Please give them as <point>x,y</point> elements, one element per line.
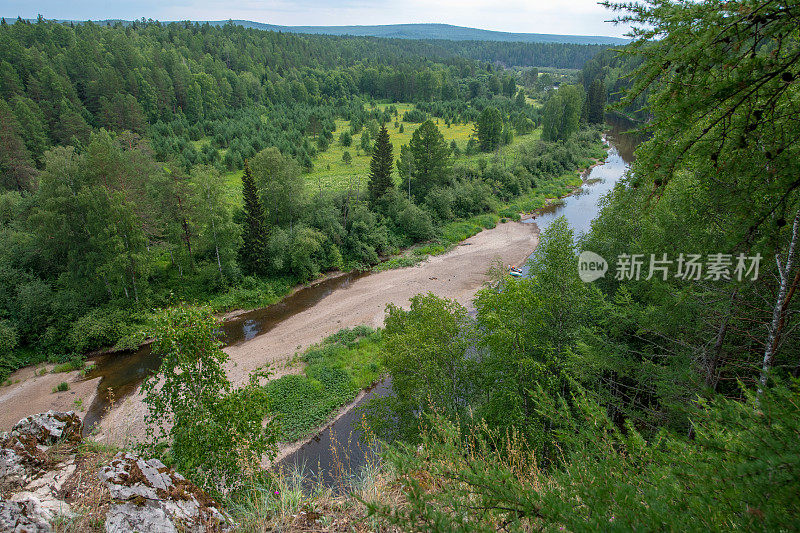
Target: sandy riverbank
<point>31,392</point>
<point>457,275</point>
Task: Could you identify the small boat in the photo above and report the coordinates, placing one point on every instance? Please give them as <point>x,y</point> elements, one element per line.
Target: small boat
<point>516,272</point>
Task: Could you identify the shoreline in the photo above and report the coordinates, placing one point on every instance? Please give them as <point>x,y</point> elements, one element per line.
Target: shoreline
<point>247,352</point>
<point>456,274</point>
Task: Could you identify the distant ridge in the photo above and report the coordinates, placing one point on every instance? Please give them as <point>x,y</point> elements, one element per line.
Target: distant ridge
<point>433,31</point>
<point>409,31</point>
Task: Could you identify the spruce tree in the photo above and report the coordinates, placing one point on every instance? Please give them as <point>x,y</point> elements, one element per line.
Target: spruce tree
<point>253,254</point>
<point>432,160</point>
<point>380,170</point>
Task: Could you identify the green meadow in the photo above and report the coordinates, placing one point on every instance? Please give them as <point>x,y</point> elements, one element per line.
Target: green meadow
<point>332,173</point>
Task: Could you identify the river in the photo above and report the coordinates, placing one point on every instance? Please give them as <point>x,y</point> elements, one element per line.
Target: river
<point>337,449</point>
<point>121,373</point>
<point>337,452</point>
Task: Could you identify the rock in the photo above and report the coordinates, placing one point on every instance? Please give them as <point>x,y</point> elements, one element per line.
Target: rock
<point>50,427</point>
<point>146,493</point>
<point>43,492</point>
<point>22,517</point>
<point>126,517</point>
<point>23,451</point>
<point>12,469</point>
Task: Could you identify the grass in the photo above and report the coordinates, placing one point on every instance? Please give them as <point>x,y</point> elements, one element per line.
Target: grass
<point>294,501</point>
<point>251,293</point>
<point>337,369</point>
<point>400,261</point>
<point>61,387</point>
<point>331,173</point>
<point>75,363</point>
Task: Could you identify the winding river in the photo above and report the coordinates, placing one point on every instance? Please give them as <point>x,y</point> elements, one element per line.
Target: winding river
<point>337,452</point>
<point>337,449</point>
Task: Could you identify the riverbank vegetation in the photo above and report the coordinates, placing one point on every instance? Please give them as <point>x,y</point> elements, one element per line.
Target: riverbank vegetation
<point>645,400</point>
<point>124,156</point>
<point>335,371</point>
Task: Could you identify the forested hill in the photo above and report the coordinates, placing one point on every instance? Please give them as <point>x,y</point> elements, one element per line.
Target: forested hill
<point>434,31</point>
<point>508,49</point>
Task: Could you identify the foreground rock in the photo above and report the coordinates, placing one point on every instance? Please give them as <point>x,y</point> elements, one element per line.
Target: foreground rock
<point>31,475</point>
<point>149,497</point>
<point>22,517</point>
<point>38,470</point>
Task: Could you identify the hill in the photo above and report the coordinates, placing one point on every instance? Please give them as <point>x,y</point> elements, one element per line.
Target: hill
<point>434,31</point>
<point>422,31</point>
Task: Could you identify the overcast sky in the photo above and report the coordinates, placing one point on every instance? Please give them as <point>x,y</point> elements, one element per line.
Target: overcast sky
<point>572,17</point>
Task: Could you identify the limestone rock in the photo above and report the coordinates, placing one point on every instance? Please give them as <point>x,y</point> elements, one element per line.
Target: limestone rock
<point>146,493</point>
<point>126,517</point>
<point>12,468</point>
<point>23,451</point>
<point>50,427</point>
<point>22,517</point>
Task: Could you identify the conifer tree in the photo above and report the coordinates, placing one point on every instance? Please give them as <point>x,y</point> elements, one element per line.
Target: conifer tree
<point>254,235</point>
<point>432,161</point>
<point>380,170</point>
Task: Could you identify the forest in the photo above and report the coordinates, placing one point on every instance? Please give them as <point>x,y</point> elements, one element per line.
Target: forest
<point>177,167</point>
<point>126,149</point>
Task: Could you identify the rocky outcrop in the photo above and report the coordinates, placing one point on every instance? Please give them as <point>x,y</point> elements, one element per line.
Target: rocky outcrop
<point>148,496</point>
<point>22,517</point>
<point>31,474</point>
<point>37,462</point>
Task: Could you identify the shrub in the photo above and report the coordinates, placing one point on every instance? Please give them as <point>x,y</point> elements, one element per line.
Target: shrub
<point>61,387</point>
<point>214,433</point>
<point>75,363</point>
<point>401,261</point>
<point>415,115</point>
<point>415,223</point>
<point>99,328</point>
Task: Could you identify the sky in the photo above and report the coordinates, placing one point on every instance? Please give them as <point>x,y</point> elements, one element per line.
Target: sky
<point>569,17</point>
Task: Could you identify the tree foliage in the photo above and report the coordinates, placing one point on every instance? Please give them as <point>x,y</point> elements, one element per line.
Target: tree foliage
<point>254,237</point>
<point>381,166</point>
<point>213,432</point>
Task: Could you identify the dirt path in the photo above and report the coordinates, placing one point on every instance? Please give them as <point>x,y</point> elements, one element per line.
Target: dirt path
<point>457,275</point>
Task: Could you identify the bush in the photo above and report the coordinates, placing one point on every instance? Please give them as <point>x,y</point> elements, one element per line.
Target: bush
<point>75,362</point>
<point>456,232</point>
<point>401,261</point>
<point>61,387</point>
<point>214,433</point>
<point>439,203</point>
<point>415,223</point>
<point>99,328</point>
<point>415,115</point>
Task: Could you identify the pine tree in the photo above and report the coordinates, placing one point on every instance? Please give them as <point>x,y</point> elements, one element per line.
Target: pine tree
<point>432,160</point>
<point>489,129</point>
<point>380,170</point>
<point>596,101</point>
<point>254,236</point>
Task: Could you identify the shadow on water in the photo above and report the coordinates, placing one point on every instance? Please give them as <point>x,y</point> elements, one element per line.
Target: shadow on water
<point>339,453</point>
<point>121,373</point>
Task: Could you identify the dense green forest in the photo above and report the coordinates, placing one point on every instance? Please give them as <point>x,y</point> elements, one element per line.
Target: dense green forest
<point>662,396</point>
<point>660,402</point>
<point>122,147</point>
